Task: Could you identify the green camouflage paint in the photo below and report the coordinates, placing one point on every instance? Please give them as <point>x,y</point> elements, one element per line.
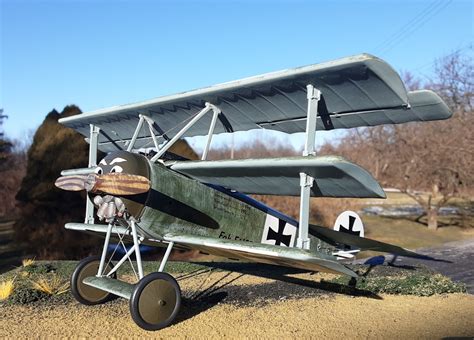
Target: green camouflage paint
<point>177,204</point>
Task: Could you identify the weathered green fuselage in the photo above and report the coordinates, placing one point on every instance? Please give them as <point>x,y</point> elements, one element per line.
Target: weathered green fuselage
<point>179,205</point>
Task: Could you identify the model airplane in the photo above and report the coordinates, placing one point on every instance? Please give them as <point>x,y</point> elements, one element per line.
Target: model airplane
<point>202,204</point>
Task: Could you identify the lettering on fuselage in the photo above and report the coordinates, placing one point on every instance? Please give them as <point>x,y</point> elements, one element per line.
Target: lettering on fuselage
<point>229,236</point>
<point>227,204</point>
<point>278,232</point>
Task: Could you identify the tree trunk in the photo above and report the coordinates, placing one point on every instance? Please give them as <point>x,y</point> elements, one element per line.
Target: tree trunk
<point>432,215</point>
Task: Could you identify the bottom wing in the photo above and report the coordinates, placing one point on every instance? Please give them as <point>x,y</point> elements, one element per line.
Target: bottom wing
<point>256,252</point>
<point>118,232</point>
<point>97,228</point>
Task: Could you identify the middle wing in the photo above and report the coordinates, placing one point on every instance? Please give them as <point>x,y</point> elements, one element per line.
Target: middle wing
<point>334,176</point>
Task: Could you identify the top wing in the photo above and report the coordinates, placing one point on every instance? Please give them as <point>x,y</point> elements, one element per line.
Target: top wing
<point>423,106</point>
<point>361,90</point>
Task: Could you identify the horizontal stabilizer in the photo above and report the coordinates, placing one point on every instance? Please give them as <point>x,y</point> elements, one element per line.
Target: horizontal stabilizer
<point>337,238</point>
<point>334,176</point>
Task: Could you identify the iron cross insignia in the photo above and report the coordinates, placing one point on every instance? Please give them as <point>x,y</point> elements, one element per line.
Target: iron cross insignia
<point>278,236</point>
<point>350,228</point>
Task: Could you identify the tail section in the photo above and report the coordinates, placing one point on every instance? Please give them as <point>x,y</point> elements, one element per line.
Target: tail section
<point>348,222</point>
<point>347,237</point>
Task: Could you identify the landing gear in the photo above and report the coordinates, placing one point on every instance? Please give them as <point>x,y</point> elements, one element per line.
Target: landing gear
<point>156,298</point>
<point>155,301</point>
<point>83,293</point>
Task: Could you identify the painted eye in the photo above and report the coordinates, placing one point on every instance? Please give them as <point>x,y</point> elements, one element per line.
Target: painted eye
<point>99,171</point>
<point>117,168</point>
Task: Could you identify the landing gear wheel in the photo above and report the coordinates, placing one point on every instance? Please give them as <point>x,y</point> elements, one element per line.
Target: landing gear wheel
<point>83,293</point>
<point>155,301</point>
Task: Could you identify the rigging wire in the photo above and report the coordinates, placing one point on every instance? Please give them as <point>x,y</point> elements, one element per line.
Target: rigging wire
<point>183,122</point>
<point>405,27</point>
<point>413,25</point>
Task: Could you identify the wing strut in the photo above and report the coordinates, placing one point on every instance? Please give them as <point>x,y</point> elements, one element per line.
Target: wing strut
<point>306,181</point>
<point>208,107</point>
<point>93,145</point>
<point>217,112</point>
<point>151,126</point>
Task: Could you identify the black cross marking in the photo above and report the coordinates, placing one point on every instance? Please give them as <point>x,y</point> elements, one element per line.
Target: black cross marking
<point>351,226</point>
<point>278,236</point>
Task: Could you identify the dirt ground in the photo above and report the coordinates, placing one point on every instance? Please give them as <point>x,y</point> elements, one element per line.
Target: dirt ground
<point>232,305</point>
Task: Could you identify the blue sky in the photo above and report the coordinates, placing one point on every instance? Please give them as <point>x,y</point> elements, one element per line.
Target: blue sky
<point>102,53</point>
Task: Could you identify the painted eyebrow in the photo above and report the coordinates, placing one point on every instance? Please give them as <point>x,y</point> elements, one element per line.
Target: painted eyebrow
<point>117,160</point>
<point>103,162</point>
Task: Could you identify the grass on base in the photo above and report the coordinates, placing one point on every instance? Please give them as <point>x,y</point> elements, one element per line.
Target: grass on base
<point>6,289</point>
<point>49,281</point>
<point>51,284</point>
<point>398,281</point>
<point>27,262</point>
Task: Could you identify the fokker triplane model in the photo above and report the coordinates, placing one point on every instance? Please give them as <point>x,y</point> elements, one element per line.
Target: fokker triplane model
<point>176,203</point>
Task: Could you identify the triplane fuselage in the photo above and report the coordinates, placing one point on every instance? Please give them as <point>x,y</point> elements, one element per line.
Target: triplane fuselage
<point>177,203</point>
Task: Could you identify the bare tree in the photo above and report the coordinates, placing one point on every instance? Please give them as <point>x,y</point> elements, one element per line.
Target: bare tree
<point>12,170</point>
<point>431,162</point>
<point>438,157</point>
<point>5,145</point>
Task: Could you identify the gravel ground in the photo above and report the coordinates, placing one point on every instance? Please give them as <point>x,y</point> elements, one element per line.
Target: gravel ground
<point>219,304</point>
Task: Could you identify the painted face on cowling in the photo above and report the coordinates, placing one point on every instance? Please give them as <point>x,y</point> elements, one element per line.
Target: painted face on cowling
<point>127,163</point>
<point>114,166</point>
<point>124,162</point>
